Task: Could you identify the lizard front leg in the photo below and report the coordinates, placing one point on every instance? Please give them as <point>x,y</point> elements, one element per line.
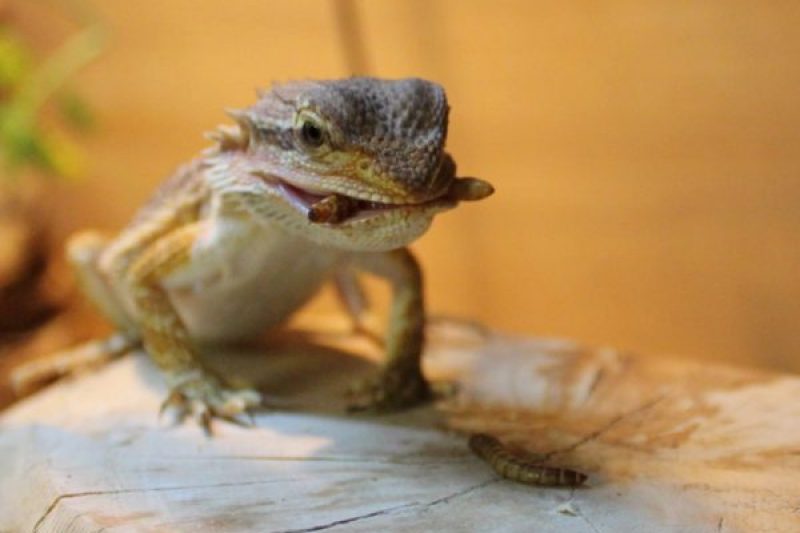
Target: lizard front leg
<point>194,388</point>
<point>400,383</point>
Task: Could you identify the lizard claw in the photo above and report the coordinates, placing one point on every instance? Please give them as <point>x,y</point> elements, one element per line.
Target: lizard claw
<point>205,398</point>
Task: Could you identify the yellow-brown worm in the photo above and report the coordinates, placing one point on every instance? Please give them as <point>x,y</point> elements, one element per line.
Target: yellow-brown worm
<point>518,468</point>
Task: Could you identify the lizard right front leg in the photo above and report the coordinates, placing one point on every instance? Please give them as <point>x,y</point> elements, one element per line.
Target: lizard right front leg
<point>194,388</point>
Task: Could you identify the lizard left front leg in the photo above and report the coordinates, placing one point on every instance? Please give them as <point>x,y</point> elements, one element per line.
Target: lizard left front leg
<point>194,388</point>
<point>400,383</point>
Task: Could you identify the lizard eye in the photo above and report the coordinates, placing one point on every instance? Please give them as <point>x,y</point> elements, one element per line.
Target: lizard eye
<point>311,134</point>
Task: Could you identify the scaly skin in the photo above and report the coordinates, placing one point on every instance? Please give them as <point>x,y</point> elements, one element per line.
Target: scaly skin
<point>316,179</point>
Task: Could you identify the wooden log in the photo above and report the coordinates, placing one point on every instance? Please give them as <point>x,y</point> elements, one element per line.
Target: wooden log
<point>669,445</point>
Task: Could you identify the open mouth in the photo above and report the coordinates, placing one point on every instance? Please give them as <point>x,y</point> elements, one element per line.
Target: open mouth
<point>335,208</point>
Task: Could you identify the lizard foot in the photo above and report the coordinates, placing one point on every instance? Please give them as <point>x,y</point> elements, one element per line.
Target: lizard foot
<point>391,391</point>
<point>204,397</point>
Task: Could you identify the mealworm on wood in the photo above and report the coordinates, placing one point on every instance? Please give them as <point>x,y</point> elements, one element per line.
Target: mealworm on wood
<point>517,468</point>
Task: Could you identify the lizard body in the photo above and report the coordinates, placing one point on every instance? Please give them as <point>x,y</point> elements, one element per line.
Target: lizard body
<point>314,180</point>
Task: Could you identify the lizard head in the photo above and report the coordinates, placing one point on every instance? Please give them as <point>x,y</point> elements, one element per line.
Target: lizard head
<point>372,149</point>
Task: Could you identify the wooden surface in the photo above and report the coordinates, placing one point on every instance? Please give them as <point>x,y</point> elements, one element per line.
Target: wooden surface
<point>669,445</point>
<point>644,152</point>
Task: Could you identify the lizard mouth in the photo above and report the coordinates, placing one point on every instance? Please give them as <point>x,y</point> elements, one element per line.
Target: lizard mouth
<point>337,208</point>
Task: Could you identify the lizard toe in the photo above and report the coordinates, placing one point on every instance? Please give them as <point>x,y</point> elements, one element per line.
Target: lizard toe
<point>206,398</point>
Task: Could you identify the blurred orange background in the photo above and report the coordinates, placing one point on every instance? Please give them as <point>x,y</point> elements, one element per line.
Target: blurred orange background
<point>646,154</point>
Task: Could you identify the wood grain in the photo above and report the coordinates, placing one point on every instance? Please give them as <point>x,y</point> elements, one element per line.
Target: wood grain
<point>669,446</point>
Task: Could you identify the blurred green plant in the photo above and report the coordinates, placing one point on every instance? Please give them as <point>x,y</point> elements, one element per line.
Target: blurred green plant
<point>30,136</point>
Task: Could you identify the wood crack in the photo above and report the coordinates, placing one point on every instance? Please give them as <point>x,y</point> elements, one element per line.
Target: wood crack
<point>349,520</point>
<point>58,499</point>
<point>393,509</point>
<point>575,510</point>
<point>605,428</point>
<point>463,492</point>
<point>596,379</point>
<point>586,519</point>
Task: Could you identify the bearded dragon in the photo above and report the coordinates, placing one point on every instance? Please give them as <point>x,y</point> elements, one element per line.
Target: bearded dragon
<point>316,179</point>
